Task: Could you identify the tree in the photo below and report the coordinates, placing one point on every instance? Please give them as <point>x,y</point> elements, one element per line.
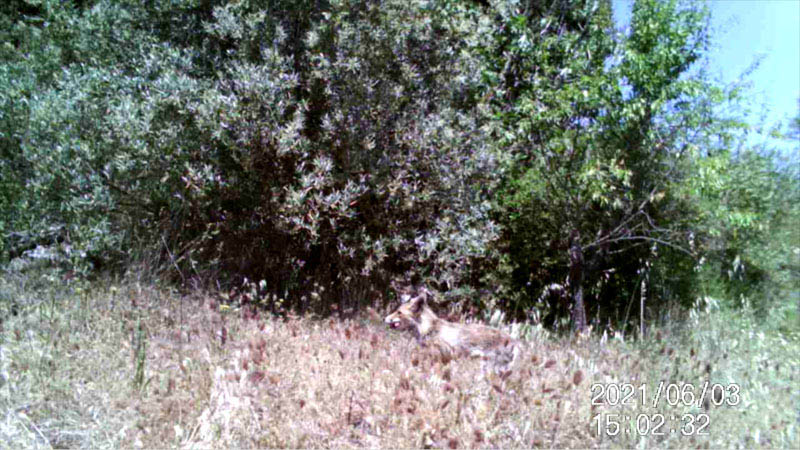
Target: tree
<point>592,152</point>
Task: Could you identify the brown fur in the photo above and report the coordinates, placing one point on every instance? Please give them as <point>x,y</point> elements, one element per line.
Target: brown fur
<point>451,338</point>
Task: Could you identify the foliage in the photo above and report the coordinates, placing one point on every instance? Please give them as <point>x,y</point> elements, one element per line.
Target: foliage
<point>513,155</point>
<point>748,214</point>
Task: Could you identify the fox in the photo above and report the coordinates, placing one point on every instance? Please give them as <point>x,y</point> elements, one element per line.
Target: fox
<point>491,345</point>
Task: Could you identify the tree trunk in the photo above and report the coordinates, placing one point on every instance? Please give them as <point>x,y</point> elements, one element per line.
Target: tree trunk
<point>576,282</point>
<point>643,298</point>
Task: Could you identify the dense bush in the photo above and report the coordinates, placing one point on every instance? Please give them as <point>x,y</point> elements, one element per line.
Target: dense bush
<point>308,155</point>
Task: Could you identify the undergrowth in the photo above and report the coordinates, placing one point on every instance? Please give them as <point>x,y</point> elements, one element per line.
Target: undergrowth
<point>127,364</point>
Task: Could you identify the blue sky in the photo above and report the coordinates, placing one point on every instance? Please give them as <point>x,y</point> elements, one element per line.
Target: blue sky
<point>744,32</point>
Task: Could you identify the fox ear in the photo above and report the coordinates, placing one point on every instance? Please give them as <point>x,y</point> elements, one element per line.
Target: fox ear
<point>417,303</point>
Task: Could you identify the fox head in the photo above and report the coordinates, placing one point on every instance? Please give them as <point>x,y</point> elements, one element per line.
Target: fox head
<point>409,313</point>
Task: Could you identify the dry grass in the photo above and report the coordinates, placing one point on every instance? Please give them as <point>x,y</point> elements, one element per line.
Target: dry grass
<point>220,377</point>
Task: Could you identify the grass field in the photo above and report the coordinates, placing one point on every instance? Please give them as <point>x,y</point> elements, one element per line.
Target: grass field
<point>132,365</point>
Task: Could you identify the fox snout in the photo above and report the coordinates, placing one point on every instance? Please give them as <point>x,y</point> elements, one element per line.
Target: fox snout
<point>393,321</point>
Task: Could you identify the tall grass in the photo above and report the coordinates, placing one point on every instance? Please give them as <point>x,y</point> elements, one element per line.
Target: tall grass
<point>130,365</point>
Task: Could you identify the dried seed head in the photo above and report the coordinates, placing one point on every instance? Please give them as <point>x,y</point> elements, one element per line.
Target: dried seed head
<point>404,383</point>
<point>577,378</point>
<point>223,335</point>
<point>256,377</point>
<point>235,377</point>
<point>373,315</point>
